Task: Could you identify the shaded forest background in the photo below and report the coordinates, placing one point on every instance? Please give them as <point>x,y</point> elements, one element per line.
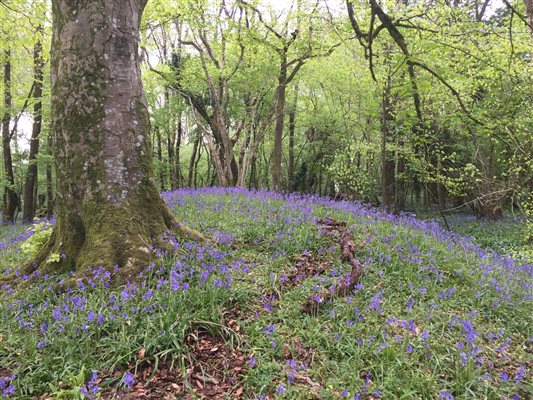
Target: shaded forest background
<point>419,105</point>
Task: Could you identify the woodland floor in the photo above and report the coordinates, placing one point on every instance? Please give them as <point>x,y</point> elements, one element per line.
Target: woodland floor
<point>301,298</point>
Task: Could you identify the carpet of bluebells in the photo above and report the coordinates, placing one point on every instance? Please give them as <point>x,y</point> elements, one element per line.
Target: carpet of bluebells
<point>435,316</point>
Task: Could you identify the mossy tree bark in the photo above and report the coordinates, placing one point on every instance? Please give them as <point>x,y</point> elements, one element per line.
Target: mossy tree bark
<point>109,211</point>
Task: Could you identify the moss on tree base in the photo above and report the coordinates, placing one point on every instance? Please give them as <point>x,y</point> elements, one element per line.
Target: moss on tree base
<point>117,237</point>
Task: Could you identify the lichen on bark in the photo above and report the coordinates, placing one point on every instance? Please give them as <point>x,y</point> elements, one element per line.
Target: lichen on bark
<point>109,211</point>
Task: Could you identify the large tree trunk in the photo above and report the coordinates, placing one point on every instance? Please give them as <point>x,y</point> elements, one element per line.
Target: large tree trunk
<point>49,189</point>
<point>10,196</point>
<point>109,211</point>
<point>29,206</point>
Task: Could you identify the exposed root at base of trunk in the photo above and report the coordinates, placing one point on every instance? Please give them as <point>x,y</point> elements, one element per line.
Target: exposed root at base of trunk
<point>121,242</point>
<point>184,231</point>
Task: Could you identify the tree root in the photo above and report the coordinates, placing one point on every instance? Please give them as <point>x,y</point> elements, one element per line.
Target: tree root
<point>122,247</point>
<point>338,231</point>
<point>188,233</point>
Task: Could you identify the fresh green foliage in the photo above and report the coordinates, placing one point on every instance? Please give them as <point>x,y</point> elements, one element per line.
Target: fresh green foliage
<point>41,232</point>
<point>76,384</point>
<point>507,236</point>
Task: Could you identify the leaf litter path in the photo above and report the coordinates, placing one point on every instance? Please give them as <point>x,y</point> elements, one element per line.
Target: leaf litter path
<point>213,370</point>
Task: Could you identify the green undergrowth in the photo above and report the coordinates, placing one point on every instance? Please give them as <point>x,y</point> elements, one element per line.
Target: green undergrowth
<point>433,317</point>
<point>506,235</point>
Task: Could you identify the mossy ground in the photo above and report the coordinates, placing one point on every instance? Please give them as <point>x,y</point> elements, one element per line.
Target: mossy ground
<point>434,315</point>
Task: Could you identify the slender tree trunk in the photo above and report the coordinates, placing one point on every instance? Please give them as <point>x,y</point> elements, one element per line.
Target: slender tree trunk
<point>197,162</point>
<point>30,185</point>
<point>178,176</point>
<point>441,189</point>
<point>171,141</point>
<point>278,132</point>
<point>109,211</point>
<point>247,154</point>
<point>292,127</point>
<point>253,174</point>
<point>208,178</point>
<point>529,12</point>
<point>10,196</point>
<point>387,156</point>
<point>192,161</point>
<point>36,194</point>
<point>216,155</point>
<point>161,165</point>
<point>219,143</point>
<point>399,183</point>
<point>427,198</point>
<point>171,164</point>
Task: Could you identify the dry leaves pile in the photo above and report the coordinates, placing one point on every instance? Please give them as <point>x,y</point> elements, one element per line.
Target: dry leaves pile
<point>214,370</point>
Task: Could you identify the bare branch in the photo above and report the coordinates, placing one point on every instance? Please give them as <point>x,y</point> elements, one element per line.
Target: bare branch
<point>454,92</point>
<point>260,16</point>
<point>24,106</point>
<point>515,11</point>
<point>205,42</point>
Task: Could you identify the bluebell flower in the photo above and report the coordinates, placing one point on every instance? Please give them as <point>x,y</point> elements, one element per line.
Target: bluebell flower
<point>445,395</point>
<point>128,380</point>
